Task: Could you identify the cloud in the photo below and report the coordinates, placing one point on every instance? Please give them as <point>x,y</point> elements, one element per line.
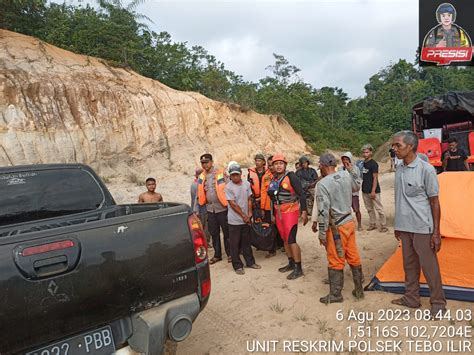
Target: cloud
<point>246,53</point>
<point>334,43</point>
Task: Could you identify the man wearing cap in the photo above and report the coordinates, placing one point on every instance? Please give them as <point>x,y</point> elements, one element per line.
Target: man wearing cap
<point>332,215</point>
<point>289,200</point>
<point>211,193</point>
<point>239,196</point>
<point>259,179</point>
<point>354,172</point>
<point>447,33</point>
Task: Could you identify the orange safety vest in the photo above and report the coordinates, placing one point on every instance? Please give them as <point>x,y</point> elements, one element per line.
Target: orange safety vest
<point>255,182</point>
<point>220,188</point>
<point>265,201</point>
<point>287,193</point>
<point>261,191</point>
<point>287,197</point>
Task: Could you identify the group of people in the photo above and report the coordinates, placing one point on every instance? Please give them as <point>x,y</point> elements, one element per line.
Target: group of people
<point>230,203</point>
<point>226,202</point>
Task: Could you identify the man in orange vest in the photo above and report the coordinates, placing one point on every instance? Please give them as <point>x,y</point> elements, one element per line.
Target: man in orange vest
<point>289,200</point>
<point>259,179</point>
<point>211,193</point>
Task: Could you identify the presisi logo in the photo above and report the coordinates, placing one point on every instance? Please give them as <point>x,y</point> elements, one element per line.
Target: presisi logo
<point>447,42</point>
<point>446,55</point>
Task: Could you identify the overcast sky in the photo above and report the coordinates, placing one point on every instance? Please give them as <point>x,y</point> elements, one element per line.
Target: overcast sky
<point>334,42</point>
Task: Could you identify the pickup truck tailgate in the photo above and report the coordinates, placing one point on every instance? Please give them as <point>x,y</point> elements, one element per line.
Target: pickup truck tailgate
<point>62,281</point>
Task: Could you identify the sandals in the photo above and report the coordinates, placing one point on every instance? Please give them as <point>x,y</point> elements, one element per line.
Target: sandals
<point>214,260</point>
<point>402,302</point>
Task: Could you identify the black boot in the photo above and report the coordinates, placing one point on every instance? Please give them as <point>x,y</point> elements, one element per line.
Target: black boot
<point>336,283</point>
<point>289,267</point>
<point>357,275</point>
<point>297,272</point>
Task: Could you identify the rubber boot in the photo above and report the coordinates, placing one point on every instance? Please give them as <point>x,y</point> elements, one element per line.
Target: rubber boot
<point>297,272</point>
<point>326,281</point>
<point>357,276</point>
<point>289,267</point>
<point>336,283</point>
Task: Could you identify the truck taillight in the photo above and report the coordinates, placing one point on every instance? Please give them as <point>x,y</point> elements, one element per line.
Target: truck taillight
<point>45,248</point>
<point>199,239</point>
<point>205,288</point>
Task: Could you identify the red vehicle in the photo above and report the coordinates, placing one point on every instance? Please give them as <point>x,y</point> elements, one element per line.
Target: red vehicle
<point>436,119</point>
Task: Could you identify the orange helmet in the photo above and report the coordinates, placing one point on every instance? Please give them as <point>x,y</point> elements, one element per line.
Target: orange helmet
<point>279,157</point>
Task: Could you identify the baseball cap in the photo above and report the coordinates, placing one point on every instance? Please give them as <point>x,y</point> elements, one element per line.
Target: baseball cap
<point>303,159</point>
<point>205,158</point>
<point>328,159</point>
<point>235,169</point>
<point>259,156</point>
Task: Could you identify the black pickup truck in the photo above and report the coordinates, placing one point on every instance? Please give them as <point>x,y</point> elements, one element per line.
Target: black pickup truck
<point>80,274</point>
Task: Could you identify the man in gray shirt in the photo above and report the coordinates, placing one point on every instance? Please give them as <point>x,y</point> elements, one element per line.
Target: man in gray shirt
<point>417,216</point>
<point>332,215</point>
<point>210,193</point>
<point>238,194</point>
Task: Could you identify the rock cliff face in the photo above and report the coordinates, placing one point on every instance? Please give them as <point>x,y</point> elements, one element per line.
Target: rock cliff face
<point>57,106</point>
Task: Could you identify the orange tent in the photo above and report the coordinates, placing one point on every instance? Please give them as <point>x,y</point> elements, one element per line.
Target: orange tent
<point>456,195</point>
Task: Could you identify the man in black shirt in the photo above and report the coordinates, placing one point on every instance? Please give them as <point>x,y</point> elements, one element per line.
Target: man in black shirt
<point>371,190</point>
<point>455,159</point>
<point>308,177</point>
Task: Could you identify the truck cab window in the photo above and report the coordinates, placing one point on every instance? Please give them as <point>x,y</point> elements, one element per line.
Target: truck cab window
<point>29,196</point>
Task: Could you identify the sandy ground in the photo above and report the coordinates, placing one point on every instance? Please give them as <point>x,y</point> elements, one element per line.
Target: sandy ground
<point>263,305</point>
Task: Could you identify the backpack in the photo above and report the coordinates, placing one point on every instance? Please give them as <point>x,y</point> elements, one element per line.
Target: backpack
<point>262,234</point>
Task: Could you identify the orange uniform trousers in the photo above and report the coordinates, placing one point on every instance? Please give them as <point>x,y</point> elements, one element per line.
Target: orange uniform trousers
<point>348,240</point>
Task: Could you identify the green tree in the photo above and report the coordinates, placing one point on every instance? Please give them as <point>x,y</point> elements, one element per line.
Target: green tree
<point>24,16</point>
<point>325,116</point>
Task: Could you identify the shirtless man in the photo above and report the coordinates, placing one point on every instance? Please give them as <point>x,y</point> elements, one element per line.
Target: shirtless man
<point>150,196</point>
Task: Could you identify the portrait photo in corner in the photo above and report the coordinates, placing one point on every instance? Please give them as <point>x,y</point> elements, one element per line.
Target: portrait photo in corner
<point>447,42</point>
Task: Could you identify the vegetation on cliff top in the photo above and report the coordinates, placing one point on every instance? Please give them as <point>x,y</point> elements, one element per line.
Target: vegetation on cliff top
<point>325,117</point>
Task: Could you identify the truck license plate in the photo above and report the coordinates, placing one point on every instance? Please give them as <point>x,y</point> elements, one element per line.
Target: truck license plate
<point>97,342</point>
